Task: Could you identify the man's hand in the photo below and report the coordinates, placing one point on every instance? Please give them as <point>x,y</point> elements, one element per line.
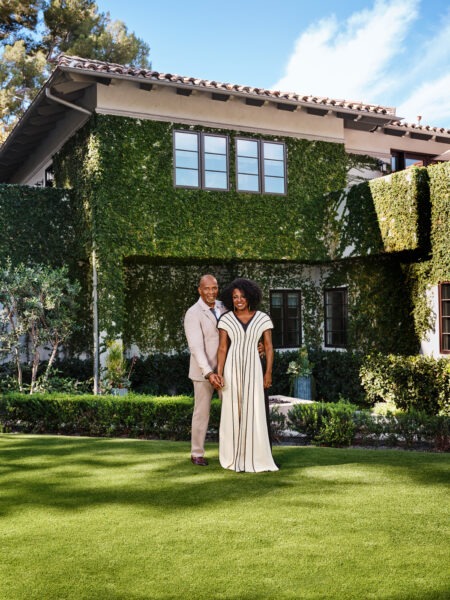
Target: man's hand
<point>261,349</point>
<point>215,381</point>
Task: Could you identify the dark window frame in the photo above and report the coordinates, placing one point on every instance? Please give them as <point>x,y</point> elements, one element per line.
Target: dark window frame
<point>285,293</point>
<point>344,291</point>
<point>201,161</point>
<point>49,176</point>
<point>261,174</point>
<point>441,319</point>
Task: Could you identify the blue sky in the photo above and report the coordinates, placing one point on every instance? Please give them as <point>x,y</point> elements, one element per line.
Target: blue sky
<point>390,52</point>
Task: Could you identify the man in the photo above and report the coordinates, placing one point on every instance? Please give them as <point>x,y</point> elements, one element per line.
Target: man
<point>200,325</point>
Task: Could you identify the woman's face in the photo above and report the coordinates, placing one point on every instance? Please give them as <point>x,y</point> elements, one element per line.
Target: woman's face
<point>239,300</point>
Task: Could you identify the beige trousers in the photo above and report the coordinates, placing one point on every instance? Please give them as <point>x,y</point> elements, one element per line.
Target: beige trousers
<point>203,392</point>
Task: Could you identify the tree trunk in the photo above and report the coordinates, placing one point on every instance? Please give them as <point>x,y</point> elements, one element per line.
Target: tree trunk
<point>51,359</point>
<point>36,357</point>
<point>19,369</point>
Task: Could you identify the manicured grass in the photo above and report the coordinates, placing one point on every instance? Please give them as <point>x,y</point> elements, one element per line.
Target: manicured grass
<point>89,518</point>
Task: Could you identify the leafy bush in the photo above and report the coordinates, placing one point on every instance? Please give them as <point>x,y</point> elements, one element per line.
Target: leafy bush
<point>336,431</point>
<point>277,424</point>
<point>131,416</point>
<point>324,423</point>
<point>410,382</point>
<point>337,374</point>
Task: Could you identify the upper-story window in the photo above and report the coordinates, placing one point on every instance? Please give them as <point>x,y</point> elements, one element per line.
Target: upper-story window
<point>201,160</point>
<point>336,317</point>
<point>444,317</point>
<point>260,166</point>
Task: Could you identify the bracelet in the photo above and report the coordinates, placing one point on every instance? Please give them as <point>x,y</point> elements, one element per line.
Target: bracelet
<point>209,374</point>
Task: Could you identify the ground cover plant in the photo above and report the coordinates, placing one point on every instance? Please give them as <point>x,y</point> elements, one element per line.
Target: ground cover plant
<point>134,520</point>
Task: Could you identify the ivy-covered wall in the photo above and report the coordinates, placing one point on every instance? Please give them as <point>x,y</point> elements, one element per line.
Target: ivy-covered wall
<point>121,170</point>
<point>158,295</point>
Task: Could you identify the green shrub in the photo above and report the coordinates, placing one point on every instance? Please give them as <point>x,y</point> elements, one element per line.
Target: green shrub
<point>337,431</point>
<point>410,382</point>
<point>131,416</point>
<point>314,419</point>
<point>277,424</point>
<point>337,374</point>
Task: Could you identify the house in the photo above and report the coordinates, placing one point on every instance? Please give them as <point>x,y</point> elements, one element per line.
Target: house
<point>338,209</point>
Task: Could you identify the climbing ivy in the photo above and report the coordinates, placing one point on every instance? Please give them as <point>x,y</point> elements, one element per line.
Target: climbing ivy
<point>152,240</point>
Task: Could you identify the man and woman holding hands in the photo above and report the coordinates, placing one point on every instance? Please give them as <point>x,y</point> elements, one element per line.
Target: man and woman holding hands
<point>224,341</point>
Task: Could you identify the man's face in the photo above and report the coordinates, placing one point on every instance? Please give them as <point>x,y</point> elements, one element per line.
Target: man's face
<point>208,290</point>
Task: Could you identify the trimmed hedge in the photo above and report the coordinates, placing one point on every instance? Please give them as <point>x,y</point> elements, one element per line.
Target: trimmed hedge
<point>130,416</point>
<point>410,382</point>
<point>341,425</point>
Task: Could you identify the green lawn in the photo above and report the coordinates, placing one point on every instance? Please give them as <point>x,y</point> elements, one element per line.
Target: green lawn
<point>86,518</point>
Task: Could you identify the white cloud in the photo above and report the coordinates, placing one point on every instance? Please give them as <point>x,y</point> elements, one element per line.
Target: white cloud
<point>431,101</point>
<point>349,60</point>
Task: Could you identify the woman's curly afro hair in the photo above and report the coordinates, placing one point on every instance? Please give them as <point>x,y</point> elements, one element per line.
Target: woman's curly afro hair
<point>250,289</point>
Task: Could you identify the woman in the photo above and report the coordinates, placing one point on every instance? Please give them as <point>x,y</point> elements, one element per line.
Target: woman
<point>243,437</point>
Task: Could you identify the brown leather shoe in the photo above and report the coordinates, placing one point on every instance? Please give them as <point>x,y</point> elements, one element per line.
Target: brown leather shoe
<point>199,460</point>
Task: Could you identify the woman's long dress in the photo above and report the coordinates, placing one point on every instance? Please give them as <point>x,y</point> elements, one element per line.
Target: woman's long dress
<point>243,436</point>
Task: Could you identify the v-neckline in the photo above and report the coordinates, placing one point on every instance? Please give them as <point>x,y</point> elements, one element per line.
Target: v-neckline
<point>245,325</point>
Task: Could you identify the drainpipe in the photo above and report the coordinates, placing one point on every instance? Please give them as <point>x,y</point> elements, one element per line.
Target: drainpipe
<point>94,260</point>
<point>65,103</point>
<point>95,321</point>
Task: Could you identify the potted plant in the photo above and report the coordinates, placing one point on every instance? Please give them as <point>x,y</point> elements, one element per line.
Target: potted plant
<point>116,378</point>
<point>301,377</point>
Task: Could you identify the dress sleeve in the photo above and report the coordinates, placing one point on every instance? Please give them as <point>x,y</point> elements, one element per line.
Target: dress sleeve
<point>265,324</point>
<point>223,324</point>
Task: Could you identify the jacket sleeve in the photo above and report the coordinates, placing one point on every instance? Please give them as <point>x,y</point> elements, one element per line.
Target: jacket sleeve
<point>194,335</point>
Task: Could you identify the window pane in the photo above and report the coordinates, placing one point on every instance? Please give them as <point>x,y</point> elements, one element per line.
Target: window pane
<point>409,162</point>
<point>394,163</point>
<point>274,185</point>
<point>445,325</point>
<point>293,338</point>
<point>274,167</point>
<point>212,143</point>
<point>248,183</point>
<point>446,309</point>
<point>275,151</point>
<point>292,300</point>
<point>248,165</point>
<point>446,342</point>
<point>186,177</point>
<point>247,148</point>
<point>186,159</point>
<point>445,291</point>
<point>215,162</point>
<point>216,180</point>
<point>186,141</point>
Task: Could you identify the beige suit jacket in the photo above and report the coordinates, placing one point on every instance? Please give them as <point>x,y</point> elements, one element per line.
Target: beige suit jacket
<point>200,326</point>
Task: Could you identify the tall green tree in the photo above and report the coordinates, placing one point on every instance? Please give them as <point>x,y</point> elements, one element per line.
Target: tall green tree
<point>33,32</point>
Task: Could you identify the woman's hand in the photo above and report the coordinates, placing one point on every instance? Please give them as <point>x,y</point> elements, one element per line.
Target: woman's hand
<point>267,381</point>
<point>220,382</point>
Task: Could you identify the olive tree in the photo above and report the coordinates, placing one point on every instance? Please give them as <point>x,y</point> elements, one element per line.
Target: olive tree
<point>39,301</point>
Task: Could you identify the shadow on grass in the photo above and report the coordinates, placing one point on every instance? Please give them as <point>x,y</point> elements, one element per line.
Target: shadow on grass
<point>76,473</point>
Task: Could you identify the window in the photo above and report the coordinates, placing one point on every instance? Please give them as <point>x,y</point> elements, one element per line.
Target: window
<point>402,160</point>
<point>200,160</point>
<point>336,310</point>
<point>285,311</point>
<point>260,166</point>
<point>444,317</point>
<point>49,177</point>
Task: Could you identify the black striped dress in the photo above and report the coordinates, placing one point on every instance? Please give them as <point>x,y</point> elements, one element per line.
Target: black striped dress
<point>243,437</point>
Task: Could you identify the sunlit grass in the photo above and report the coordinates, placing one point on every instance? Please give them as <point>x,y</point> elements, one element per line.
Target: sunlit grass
<point>84,518</point>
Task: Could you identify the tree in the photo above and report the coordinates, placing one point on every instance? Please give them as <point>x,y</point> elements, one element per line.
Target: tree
<point>38,301</point>
<point>33,32</point>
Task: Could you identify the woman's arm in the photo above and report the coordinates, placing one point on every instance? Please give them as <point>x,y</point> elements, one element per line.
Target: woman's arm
<point>222,353</point>
<point>267,337</point>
